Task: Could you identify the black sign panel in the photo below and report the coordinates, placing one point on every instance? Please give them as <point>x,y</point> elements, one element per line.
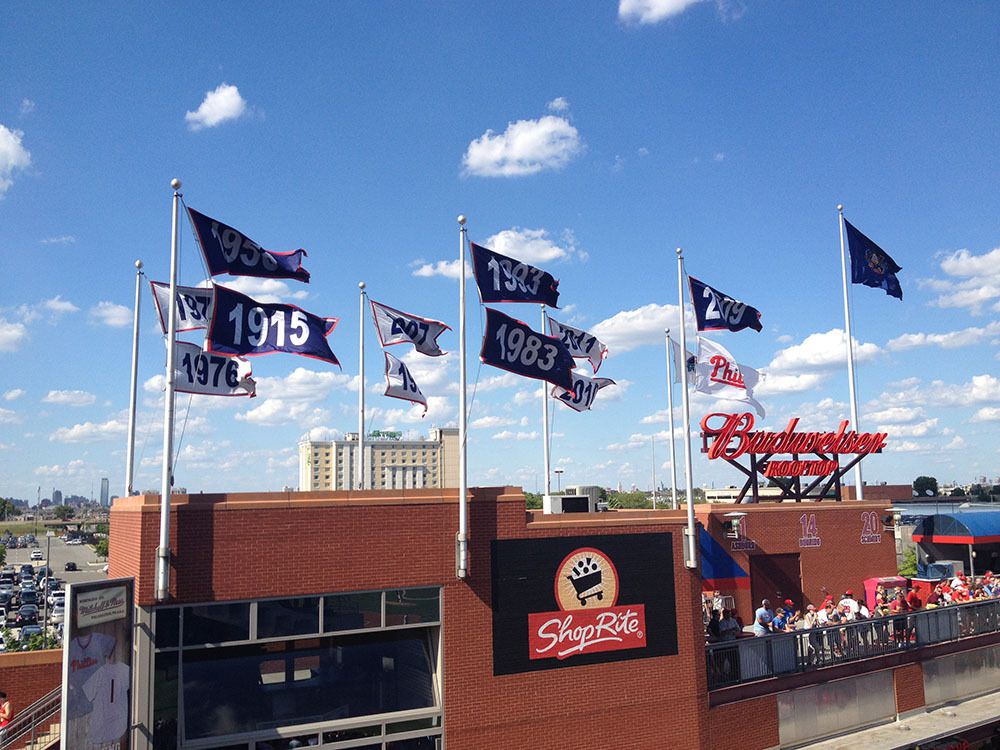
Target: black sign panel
<point>563,602</point>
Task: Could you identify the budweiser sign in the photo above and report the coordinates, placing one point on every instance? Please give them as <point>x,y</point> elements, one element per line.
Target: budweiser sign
<point>586,590</point>
<point>732,435</point>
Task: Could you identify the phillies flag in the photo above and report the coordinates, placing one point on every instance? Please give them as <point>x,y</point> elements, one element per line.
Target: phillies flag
<point>208,374</point>
<point>584,391</point>
<point>243,326</point>
<point>395,327</point>
<point>503,279</point>
<point>229,251</point>
<point>513,346</point>
<point>718,374</point>
<point>717,311</point>
<point>581,345</point>
<point>871,265</point>
<point>194,305</point>
<point>399,382</point>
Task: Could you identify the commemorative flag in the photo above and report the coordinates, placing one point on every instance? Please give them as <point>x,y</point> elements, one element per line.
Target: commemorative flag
<point>871,265</point>
<point>675,358</point>
<point>581,345</point>
<point>242,326</point>
<point>513,346</point>
<point>718,374</point>
<point>196,371</point>
<point>503,279</point>
<point>396,327</point>
<point>399,382</point>
<point>194,305</point>
<point>717,311</point>
<point>228,250</point>
<point>583,393</point>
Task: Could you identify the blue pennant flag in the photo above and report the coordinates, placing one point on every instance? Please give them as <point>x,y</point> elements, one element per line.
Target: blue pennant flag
<point>717,311</point>
<point>512,346</point>
<point>503,279</point>
<point>229,251</point>
<point>871,265</point>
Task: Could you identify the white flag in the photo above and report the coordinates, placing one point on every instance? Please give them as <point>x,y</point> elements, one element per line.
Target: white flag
<point>196,371</point>
<point>675,359</point>
<point>396,327</point>
<point>581,345</point>
<point>718,374</point>
<point>585,389</point>
<point>194,305</point>
<point>399,382</point>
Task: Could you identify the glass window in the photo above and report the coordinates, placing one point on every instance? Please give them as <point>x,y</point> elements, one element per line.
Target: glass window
<point>359,733</point>
<point>411,606</point>
<point>282,617</point>
<point>305,740</point>
<point>167,627</point>
<point>165,692</point>
<point>418,743</point>
<point>414,725</point>
<point>352,611</point>
<point>216,623</point>
<point>335,677</point>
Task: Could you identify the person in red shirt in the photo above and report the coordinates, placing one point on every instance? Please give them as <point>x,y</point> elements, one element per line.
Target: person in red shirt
<point>899,631</point>
<point>913,600</point>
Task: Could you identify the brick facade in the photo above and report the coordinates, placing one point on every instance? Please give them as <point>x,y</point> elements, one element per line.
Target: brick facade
<point>28,676</point>
<point>908,685</point>
<point>748,723</point>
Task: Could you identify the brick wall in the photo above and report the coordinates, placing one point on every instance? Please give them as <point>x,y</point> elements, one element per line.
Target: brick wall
<point>28,676</point>
<point>750,723</point>
<point>908,685</point>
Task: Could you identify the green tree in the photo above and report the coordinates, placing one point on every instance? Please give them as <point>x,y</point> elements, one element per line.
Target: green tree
<point>957,492</point>
<point>908,563</point>
<point>921,485</point>
<point>8,509</point>
<point>3,554</point>
<point>101,548</point>
<point>63,512</point>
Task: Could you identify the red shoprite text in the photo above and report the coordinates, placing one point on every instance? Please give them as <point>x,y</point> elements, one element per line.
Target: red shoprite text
<point>736,436</point>
<point>563,634</point>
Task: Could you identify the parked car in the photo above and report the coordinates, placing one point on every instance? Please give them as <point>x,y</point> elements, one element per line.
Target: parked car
<point>57,598</point>
<point>75,541</point>
<point>29,569</point>
<point>28,631</point>
<point>36,554</point>
<point>27,615</point>
<point>70,566</point>
<point>10,619</point>
<point>29,597</point>
<point>57,615</point>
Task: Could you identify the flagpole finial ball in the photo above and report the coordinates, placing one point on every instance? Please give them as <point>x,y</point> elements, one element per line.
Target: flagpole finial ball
<point>840,206</point>
<point>679,251</point>
<point>361,285</point>
<point>461,219</point>
<point>138,265</point>
<point>175,184</point>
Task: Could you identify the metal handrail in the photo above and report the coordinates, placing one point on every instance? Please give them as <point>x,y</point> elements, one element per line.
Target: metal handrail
<point>23,730</point>
<point>752,659</point>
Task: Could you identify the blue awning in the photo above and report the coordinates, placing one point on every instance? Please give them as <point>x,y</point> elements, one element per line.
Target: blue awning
<point>974,527</point>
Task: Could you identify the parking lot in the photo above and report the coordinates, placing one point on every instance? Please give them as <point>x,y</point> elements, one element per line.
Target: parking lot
<point>89,568</point>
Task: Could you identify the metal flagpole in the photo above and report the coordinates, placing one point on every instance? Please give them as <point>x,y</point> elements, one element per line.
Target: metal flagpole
<point>130,446</point>
<point>859,486</point>
<point>360,463</point>
<point>167,479</point>
<point>652,453</point>
<point>461,538</point>
<point>547,460</point>
<point>690,555</point>
<point>670,417</point>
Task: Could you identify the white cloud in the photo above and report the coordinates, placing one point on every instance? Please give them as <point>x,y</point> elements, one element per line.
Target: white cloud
<point>8,416</point>
<point>279,411</point>
<point>301,384</point>
<point>111,314</point>
<point>450,269</point>
<point>268,291</point>
<point>820,351</point>
<point>57,305</point>
<point>440,411</point>
<point>89,432</point>
<point>489,422</point>
<point>719,156</point>
<point>651,11</point>
<point>519,436</point>
<point>957,443</point>
<point>13,394</point>
<point>980,389</point>
<point>69,398</point>
<point>526,147</point>
<point>74,468</point>
<point>785,339</point>
<point>533,245</point>
<point>950,340</point>
<point>773,383</point>
<point>59,239</point>
<point>918,429</point>
<point>987,414</point>
<point>318,434</point>
<point>14,157</point>
<point>12,335</point>
<point>975,281</point>
<point>629,329</point>
<point>497,382</point>
<point>27,107</point>
<point>218,106</point>
<point>559,104</point>
<point>904,446</point>
<point>895,415</point>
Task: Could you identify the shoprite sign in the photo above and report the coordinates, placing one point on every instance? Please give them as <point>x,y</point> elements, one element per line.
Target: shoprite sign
<point>582,600</point>
<point>732,436</point>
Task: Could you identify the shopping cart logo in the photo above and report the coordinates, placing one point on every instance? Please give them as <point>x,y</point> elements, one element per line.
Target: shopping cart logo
<point>586,591</point>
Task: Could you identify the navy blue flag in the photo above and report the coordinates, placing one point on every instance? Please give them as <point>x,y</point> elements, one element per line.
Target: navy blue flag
<point>717,311</point>
<point>242,326</point>
<point>511,345</point>
<point>230,251</point>
<point>871,265</point>
<point>503,279</point>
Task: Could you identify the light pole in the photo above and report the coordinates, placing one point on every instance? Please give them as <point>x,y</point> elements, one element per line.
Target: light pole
<point>45,593</point>
<point>558,473</point>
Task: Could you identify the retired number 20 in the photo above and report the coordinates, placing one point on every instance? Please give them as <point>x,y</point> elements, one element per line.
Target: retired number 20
<point>259,326</point>
<point>526,348</point>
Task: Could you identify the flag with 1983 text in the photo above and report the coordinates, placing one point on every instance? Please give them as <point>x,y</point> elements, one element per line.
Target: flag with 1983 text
<point>513,346</point>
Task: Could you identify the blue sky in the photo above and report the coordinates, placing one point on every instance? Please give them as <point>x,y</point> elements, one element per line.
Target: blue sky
<point>588,138</point>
